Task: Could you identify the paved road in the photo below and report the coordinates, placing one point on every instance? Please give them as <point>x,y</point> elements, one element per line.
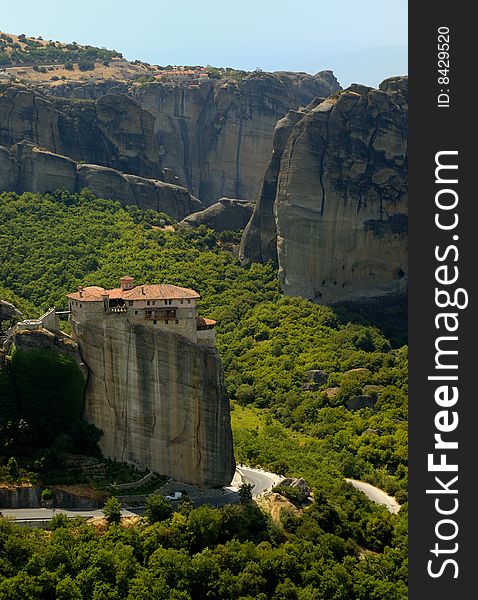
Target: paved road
<point>261,480</point>
<point>376,495</point>
<point>45,514</point>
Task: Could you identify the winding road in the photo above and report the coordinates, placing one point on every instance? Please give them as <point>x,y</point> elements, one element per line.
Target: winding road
<point>262,481</point>
<point>376,495</point>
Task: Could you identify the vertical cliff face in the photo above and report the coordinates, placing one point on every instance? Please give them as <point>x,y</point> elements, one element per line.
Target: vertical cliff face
<point>160,400</point>
<point>259,242</point>
<point>339,214</point>
<point>217,137</point>
<point>112,131</point>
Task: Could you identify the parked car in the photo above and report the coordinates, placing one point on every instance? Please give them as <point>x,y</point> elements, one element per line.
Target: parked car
<point>174,496</point>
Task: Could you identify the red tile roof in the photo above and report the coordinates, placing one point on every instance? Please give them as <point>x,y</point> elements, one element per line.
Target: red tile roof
<point>203,321</point>
<point>159,291</point>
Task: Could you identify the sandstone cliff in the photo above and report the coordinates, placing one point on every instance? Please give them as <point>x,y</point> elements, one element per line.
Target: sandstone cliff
<point>113,131</point>
<point>28,168</point>
<point>333,206</point>
<point>160,400</point>
<point>214,139</point>
<point>217,136</point>
<point>43,340</point>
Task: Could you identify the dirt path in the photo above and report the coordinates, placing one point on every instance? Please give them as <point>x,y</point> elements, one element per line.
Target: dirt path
<point>376,495</point>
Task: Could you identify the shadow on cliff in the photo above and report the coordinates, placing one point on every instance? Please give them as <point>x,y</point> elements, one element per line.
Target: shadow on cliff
<point>389,314</point>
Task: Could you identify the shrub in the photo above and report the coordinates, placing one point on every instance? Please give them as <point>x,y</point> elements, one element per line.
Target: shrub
<point>245,493</point>
<point>13,469</point>
<point>112,510</point>
<point>86,65</point>
<point>157,508</point>
<point>46,494</point>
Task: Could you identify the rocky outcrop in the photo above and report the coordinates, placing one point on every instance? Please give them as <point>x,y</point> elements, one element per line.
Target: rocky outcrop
<point>8,311</point>
<point>214,139</point>
<point>225,215</point>
<point>173,200</point>
<point>41,339</point>
<point>112,131</point>
<point>315,379</point>
<point>160,400</point>
<point>217,136</point>
<point>27,167</point>
<point>335,217</point>
<point>41,171</point>
<point>259,242</point>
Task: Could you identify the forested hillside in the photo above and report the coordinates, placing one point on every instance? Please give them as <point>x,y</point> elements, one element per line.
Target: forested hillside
<point>316,392</point>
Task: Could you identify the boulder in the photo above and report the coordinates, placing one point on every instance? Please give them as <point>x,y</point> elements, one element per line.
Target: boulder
<point>315,378</point>
<point>299,484</point>
<point>361,401</point>
<point>225,215</point>
<point>8,311</point>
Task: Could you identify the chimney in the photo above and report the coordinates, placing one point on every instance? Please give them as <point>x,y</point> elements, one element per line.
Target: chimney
<point>80,290</point>
<point>127,283</point>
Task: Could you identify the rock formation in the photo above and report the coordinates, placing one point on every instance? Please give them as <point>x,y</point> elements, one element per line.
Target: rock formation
<point>214,138</point>
<point>333,206</point>
<point>160,400</point>
<point>259,242</point>
<point>8,311</point>
<point>113,131</point>
<point>217,136</point>
<point>44,340</point>
<point>225,215</point>
<point>26,167</point>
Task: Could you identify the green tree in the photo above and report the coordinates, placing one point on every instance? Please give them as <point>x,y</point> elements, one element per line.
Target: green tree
<point>245,493</point>
<point>13,468</point>
<point>112,510</point>
<point>157,508</point>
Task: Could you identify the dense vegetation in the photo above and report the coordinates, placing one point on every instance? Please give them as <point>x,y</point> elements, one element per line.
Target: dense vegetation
<point>352,423</point>
<point>28,51</point>
<point>49,391</point>
<point>234,552</point>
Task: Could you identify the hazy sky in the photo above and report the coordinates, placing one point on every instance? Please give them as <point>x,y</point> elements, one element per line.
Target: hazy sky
<point>362,41</point>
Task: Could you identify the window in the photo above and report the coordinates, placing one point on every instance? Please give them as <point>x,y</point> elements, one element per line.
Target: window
<point>148,302</point>
<point>135,312</point>
<point>81,306</point>
<point>189,301</point>
<point>154,302</point>
<point>182,301</point>
<point>154,322</point>
<point>165,302</point>
<point>166,322</point>
<point>177,321</point>
<point>131,303</point>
